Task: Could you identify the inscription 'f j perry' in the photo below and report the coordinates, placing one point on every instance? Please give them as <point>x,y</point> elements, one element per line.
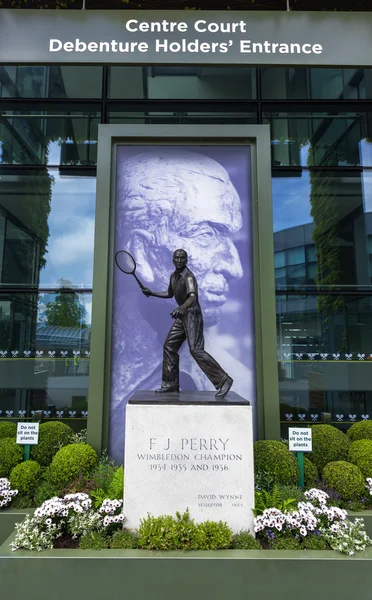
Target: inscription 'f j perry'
<point>188,443</point>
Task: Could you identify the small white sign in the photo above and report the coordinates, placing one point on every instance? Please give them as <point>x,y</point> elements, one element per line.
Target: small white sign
<point>27,433</point>
<point>300,439</point>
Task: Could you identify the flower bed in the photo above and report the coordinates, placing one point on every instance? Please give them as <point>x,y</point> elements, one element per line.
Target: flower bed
<point>72,522</point>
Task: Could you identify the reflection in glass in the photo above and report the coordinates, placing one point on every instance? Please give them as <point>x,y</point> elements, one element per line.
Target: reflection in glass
<point>181,117</point>
<point>44,357</point>
<point>318,138</point>
<point>46,227</point>
<point>54,81</point>
<point>301,83</point>
<point>28,135</point>
<point>324,352</point>
<point>196,83</point>
<point>322,222</point>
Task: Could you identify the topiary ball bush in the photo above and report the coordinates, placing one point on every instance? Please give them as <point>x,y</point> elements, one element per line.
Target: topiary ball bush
<point>343,477</point>
<point>52,437</point>
<point>7,430</point>
<point>277,461</point>
<point>360,431</point>
<point>11,454</point>
<point>70,462</point>
<point>360,454</point>
<point>25,477</point>
<point>311,474</point>
<point>329,445</point>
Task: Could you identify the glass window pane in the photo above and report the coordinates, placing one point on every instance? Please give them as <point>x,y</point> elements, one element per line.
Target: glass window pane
<point>315,83</point>
<point>47,219</point>
<point>296,256</point>
<point>182,82</point>
<point>48,134</point>
<point>127,82</point>
<point>75,81</point>
<point>201,82</point>
<point>279,259</point>
<point>324,366</point>
<point>310,253</point>
<point>320,139</point>
<point>325,217</point>
<point>45,357</point>
<point>182,117</point>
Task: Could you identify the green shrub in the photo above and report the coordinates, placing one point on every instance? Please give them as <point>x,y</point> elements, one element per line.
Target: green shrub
<point>116,488</point>
<point>292,492</point>
<point>286,542</point>
<point>25,477</point>
<point>71,461</point>
<point>23,502</point>
<point>11,454</point>
<point>158,533</point>
<point>360,431</point>
<point>263,481</point>
<point>274,459</point>
<point>311,474</point>
<point>45,491</point>
<point>181,533</point>
<point>102,475</point>
<point>244,540</point>
<point>7,429</point>
<point>360,454</point>
<point>345,478</point>
<point>52,436</point>
<point>218,535</point>
<point>95,540</point>
<point>124,540</point>
<point>314,542</point>
<point>329,445</point>
<point>273,499</point>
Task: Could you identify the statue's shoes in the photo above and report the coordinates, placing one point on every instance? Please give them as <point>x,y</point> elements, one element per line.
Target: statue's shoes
<point>225,387</point>
<point>167,390</point>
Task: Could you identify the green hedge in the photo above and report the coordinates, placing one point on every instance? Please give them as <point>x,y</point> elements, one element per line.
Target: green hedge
<point>360,431</point>
<point>360,454</point>
<point>52,436</point>
<point>25,477</point>
<point>7,430</point>
<point>274,459</point>
<point>329,445</point>
<point>70,462</point>
<point>10,455</point>
<point>311,474</point>
<point>345,478</point>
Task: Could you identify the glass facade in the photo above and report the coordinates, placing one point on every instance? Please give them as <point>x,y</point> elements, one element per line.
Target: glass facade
<point>321,133</point>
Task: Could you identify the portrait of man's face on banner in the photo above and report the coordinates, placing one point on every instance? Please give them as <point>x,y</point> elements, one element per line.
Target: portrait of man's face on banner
<point>197,198</point>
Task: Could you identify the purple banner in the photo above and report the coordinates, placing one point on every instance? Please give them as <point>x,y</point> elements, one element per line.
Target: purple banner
<point>197,198</point>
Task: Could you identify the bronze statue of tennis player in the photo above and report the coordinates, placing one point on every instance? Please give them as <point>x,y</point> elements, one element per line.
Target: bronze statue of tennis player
<point>188,325</point>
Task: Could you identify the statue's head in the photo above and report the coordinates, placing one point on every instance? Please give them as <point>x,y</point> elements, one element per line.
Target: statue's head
<point>173,198</point>
<point>180,259</point>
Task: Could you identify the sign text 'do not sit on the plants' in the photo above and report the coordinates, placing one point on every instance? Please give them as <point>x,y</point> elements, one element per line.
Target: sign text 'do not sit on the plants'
<point>300,439</point>
<point>27,433</point>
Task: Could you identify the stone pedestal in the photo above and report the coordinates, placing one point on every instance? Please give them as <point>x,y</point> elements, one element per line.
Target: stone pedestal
<point>188,451</point>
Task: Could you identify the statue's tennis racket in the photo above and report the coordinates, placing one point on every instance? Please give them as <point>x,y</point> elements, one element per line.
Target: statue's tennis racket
<point>127,265</point>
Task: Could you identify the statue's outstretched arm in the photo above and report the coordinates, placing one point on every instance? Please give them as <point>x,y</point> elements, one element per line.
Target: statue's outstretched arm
<point>167,294</point>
